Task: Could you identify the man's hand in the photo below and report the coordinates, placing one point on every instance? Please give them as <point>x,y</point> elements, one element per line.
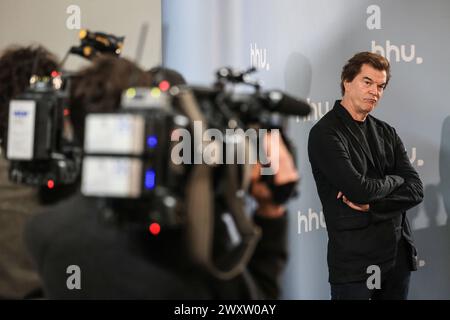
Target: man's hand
<point>354,206</point>
<point>285,174</point>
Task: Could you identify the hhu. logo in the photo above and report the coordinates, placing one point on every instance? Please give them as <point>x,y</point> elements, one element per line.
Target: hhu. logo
<point>307,221</point>
<point>400,53</point>
<point>258,57</point>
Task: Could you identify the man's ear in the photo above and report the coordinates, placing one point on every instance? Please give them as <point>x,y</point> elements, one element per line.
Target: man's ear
<point>346,84</point>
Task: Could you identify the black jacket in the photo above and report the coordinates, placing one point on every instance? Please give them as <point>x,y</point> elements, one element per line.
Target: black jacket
<point>127,262</point>
<point>381,176</point>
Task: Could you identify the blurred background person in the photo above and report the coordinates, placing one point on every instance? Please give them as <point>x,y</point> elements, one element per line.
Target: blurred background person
<point>17,202</point>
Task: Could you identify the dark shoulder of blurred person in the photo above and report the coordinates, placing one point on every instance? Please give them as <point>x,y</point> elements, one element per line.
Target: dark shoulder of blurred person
<point>124,261</point>
<point>17,202</point>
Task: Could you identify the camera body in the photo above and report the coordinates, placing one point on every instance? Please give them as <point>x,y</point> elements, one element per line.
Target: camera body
<point>127,157</point>
<point>38,144</point>
<point>93,44</point>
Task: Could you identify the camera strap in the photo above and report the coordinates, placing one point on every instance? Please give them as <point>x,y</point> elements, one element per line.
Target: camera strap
<point>201,212</point>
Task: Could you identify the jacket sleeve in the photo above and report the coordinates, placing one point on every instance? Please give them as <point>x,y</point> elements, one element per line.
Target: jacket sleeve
<point>410,193</point>
<point>270,256</point>
<point>328,154</point>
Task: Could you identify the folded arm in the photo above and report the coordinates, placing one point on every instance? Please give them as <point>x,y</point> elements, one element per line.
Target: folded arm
<point>410,193</point>
<point>328,153</point>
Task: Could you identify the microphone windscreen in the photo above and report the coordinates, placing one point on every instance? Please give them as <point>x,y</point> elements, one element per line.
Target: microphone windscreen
<point>286,104</point>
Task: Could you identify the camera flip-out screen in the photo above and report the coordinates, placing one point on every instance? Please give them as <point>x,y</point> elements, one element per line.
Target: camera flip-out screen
<point>111,166</point>
<point>21,129</point>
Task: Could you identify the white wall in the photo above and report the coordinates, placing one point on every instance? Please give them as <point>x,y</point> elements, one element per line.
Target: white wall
<point>45,22</point>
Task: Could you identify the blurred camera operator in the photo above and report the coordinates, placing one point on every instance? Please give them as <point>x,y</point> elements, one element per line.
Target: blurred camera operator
<point>121,261</point>
<point>17,202</point>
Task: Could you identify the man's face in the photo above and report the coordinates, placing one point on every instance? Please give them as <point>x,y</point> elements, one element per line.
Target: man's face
<point>366,89</point>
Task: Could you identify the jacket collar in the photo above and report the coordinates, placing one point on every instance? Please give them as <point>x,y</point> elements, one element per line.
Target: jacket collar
<point>357,133</point>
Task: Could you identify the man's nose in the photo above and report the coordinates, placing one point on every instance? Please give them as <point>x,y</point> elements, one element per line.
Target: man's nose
<point>374,90</point>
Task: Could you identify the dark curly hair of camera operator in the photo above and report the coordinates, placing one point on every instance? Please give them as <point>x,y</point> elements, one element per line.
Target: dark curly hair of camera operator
<point>160,73</point>
<point>17,65</point>
<point>91,93</point>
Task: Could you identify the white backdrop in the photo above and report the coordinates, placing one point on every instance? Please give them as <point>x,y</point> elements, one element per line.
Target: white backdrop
<point>52,23</point>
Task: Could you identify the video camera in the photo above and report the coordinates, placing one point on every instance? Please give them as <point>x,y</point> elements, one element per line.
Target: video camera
<point>134,162</point>
<point>39,140</point>
<point>129,156</point>
<point>40,143</point>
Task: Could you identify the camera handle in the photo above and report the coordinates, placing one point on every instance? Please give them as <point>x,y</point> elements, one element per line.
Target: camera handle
<point>200,209</point>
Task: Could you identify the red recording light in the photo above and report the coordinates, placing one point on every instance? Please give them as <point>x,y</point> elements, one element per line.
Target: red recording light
<point>54,74</point>
<point>164,85</point>
<point>154,228</point>
<point>50,184</point>
<point>66,112</point>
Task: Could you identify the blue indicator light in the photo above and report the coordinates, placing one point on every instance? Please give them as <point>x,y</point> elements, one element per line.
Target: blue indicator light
<point>152,141</point>
<point>150,179</point>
